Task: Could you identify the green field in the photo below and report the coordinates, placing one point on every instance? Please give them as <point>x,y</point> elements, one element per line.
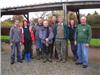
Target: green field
<point>94,42</point>
<point>4,38</point>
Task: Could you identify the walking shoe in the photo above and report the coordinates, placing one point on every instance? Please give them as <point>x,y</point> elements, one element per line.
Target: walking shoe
<point>63,61</point>
<point>85,66</point>
<point>20,61</point>
<point>49,60</point>
<point>12,63</point>
<point>59,60</point>
<point>38,57</point>
<point>45,60</point>
<point>77,63</point>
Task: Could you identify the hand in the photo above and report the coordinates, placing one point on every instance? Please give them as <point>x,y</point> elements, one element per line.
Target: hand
<point>11,44</point>
<point>75,42</point>
<point>20,43</point>
<point>33,43</point>
<point>87,45</point>
<point>47,39</point>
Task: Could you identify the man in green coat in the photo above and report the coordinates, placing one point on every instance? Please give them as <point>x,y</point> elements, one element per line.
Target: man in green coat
<point>83,37</point>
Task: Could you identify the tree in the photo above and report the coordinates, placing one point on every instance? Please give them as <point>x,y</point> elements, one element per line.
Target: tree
<point>7,23</point>
<point>94,19</point>
<point>19,17</point>
<point>10,21</point>
<point>95,13</point>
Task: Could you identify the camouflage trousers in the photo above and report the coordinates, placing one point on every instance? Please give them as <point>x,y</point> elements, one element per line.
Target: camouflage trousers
<point>62,49</point>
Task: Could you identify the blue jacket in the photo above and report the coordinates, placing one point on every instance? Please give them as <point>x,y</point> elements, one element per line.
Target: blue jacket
<point>36,29</point>
<point>15,34</point>
<point>66,32</point>
<point>43,35</point>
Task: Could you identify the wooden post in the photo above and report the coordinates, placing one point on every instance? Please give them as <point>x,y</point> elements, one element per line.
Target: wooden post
<point>78,15</point>
<point>26,16</point>
<point>65,12</point>
<point>66,21</point>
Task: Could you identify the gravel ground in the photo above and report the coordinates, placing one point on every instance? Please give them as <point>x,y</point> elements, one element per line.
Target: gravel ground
<point>37,67</point>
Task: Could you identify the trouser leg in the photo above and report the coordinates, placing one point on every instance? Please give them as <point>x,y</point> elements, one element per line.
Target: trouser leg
<point>64,49</point>
<point>18,51</point>
<point>74,49</point>
<point>51,50</point>
<point>85,54</point>
<point>13,50</point>
<point>58,49</point>
<point>79,53</point>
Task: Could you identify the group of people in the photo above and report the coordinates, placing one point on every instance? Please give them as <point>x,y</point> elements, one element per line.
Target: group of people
<point>51,40</point>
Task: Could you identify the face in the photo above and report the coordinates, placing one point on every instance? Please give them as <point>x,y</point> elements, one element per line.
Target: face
<point>60,19</point>
<point>54,18</point>
<point>83,20</point>
<point>72,22</point>
<point>45,23</point>
<point>40,21</point>
<point>17,22</point>
<point>25,23</point>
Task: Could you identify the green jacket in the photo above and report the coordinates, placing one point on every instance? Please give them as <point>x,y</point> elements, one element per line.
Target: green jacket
<point>83,33</point>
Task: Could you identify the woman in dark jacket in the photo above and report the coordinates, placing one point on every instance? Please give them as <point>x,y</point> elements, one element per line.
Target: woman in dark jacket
<point>27,39</point>
<point>53,22</point>
<point>72,30</point>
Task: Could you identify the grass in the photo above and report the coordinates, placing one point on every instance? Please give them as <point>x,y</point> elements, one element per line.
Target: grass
<point>4,38</point>
<point>94,42</point>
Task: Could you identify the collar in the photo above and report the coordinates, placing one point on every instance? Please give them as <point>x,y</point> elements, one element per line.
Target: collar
<point>60,23</point>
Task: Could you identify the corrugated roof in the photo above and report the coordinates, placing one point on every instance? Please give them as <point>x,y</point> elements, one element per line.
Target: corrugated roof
<point>72,6</point>
<point>21,3</point>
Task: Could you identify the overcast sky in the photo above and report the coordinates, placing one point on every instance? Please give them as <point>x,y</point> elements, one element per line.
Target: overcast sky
<point>14,3</point>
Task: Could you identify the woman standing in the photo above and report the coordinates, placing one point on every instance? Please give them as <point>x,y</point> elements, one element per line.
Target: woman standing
<point>53,22</point>
<point>72,29</point>
<point>46,36</point>
<point>27,39</point>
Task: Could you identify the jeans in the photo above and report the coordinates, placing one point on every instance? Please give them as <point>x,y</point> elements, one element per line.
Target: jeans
<point>82,53</point>
<point>15,51</point>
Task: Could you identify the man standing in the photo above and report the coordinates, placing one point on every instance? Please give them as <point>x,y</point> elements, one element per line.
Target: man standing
<point>83,37</point>
<point>61,36</point>
<point>15,42</point>
<point>46,35</point>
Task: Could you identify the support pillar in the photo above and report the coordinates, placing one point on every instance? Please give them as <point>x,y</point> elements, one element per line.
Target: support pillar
<point>66,21</point>
<point>26,16</point>
<point>78,15</point>
<point>65,13</point>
